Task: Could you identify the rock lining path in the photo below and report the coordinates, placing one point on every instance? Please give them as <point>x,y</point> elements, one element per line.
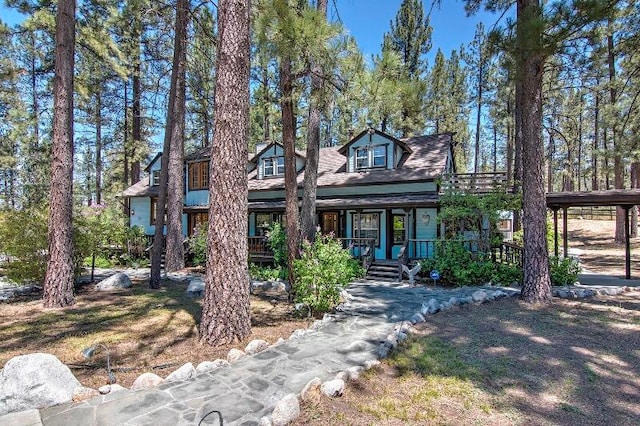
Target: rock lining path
<point>248,389</point>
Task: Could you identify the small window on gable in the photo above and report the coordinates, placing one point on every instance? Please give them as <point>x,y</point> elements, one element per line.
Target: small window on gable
<point>155,177</point>
<point>362,158</point>
<point>371,157</point>
<point>199,175</point>
<point>273,166</point>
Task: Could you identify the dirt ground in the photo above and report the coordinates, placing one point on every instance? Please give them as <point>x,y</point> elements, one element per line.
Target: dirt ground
<point>568,363</point>
<point>598,251</point>
<point>145,330</point>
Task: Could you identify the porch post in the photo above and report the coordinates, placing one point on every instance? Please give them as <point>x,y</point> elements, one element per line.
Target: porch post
<point>627,245</point>
<point>406,224</point>
<point>555,230</point>
<point>358,211</point>
<point>564,231</point>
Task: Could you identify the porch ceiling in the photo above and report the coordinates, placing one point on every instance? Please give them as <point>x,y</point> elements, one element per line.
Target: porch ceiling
<point>618,197</point>
<point>398,201</point>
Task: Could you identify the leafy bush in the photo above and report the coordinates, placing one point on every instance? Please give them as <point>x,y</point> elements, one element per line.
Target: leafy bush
<point>197,244</point>
<point>264,273</point>
<point>323,269</point>
<point>460,266</point>
<point>564,271</point>
<point>23,240</point>
<point>277,242</point>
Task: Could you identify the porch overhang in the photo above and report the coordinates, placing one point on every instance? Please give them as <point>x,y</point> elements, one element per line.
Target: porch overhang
<point>624,198</point>
<point>360,202</point>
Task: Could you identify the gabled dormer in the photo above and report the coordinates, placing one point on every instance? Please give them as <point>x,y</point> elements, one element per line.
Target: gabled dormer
<point>153,169</point>
<point>374,150</point>
<point>269,161</point>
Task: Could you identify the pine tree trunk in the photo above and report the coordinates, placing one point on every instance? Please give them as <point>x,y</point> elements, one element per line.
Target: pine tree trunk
<point>618,168</point>
<point>596,143</point>
<point>175,191</point>
<point>308,215</point>
<point>226,312</point>
<point>517,163</point>
<point>58,281</point>
<point>136,131</point>
<point>536,286</point>
<point>290,175</point>
<point>98,148</point>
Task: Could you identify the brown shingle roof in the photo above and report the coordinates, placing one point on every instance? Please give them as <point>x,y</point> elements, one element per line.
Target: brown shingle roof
<point>427,161</point>
<point>141,189</point>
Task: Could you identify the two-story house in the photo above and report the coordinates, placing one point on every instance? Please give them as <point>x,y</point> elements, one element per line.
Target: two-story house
<point>375,186</point>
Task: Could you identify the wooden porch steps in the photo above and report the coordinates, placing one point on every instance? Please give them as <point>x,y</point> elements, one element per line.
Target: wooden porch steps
<point>383,270</point>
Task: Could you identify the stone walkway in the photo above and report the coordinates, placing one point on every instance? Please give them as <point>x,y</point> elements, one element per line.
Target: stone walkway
<point>248,389</point>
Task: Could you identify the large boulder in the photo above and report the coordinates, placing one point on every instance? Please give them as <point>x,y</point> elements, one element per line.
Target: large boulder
<point>35,381</point>
<point>146,381</point>
<point>114,282</point>
<point>196,287</point>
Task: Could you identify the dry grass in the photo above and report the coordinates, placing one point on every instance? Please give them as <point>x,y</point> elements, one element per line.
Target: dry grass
<point>145,330</point>
<point>572,362</point>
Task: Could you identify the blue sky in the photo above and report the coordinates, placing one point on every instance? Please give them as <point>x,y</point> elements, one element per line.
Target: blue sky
<point>368,20</point>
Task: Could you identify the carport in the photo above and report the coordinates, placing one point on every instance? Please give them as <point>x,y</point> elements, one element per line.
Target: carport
<point>625,198</point>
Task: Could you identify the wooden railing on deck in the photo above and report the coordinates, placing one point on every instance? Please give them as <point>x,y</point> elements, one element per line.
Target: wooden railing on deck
<point>259,250</point>
<point>417,249</point>
<point>363,249</point>
<point>473,182</point>
<point>509,253</point>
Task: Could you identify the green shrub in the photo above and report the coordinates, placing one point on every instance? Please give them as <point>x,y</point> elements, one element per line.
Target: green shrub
<point>323,269</point>
<point>277,242</point>
<point>264,273</point>
<point>564,271</point>
<point>197,244</point>
<point>460,266</point>
<point>23,239</point>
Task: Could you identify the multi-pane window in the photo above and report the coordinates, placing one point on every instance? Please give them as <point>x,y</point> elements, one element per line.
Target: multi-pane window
<point>155,177</point>
<point>399,227</point>
<point>368,157</point>
<point>264,222</point>
<point>199,175</point>
<point>152,219</point>
<point>273,166</point>
<point>379,156</point>
<point>362,158</point>
<point>367,227</point>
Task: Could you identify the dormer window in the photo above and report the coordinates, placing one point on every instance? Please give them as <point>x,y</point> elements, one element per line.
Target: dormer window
<point>155,177</point>
<point>273,166</point>
<point>371,157</point>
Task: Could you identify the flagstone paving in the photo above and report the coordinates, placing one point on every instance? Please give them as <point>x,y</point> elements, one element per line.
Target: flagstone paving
<point>248,389</point>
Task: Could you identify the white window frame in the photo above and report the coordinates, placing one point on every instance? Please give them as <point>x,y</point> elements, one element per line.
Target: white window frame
<point>372,224</point>
<point>155,177</point>
<point>274,166</point>
<point>365,157</point>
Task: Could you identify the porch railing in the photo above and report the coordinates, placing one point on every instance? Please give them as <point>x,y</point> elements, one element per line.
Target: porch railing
<point>509,253</point>
<point>259,250</point>
<point>416,249</point>
<point>473,182</point>
<point>363,249</point>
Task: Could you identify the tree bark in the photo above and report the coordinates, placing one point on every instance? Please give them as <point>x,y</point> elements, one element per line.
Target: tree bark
<point>308,215</point>
<point>226,312</point>
<point>98,148</point>
<point>290,174</point>
<point>618,168</point>
<point>136,131</point>
<point>596,143</point>
<point>175,191</point>
<point>58,281</point>
<point>536,286</point>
